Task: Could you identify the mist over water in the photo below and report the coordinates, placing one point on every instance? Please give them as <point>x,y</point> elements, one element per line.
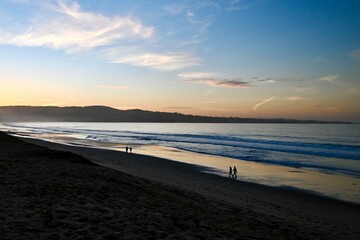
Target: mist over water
<point>329,148</point>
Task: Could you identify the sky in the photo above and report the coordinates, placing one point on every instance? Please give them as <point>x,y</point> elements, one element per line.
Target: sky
<point>233,58</point>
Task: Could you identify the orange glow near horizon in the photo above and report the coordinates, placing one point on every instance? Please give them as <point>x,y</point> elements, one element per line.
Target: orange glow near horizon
<point>187,58</point>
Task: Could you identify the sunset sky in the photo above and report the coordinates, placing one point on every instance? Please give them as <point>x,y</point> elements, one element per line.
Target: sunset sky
<point>241,58</point>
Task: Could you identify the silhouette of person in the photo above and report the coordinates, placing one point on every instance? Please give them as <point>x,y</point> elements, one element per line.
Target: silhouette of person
<point>235,172</point>
<point>230,172</point>
<point>127,149</point>
<point>130,149</point>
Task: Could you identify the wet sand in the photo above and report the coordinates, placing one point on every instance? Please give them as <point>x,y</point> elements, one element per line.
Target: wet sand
<point>52,194</point>
<point>335,185</point>
<point>343,187</point>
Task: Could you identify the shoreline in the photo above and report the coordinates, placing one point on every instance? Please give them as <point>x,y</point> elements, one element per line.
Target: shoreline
<point>136,159</point>
<point>262,212</point>
<point>303,180</point>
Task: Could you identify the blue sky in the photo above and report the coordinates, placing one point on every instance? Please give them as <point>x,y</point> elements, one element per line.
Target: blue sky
<point>246,58</point>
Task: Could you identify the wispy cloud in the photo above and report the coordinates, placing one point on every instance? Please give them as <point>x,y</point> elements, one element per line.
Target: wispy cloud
<point>210,79</point>
<point>237,5</point>
<point>162,62</point>
<point>198,24</point>
<point>294,98</point>
<point>329,78</point>
<point>64,25</point>
<point>176,9</point>
<point>182,7</point>
<point>304,89</point>
<point>213,79</point>
<point>262,102</point>
<point>201,29</point>
<point>229,83</point>
<point>196,75</point>
<point>272,80</point>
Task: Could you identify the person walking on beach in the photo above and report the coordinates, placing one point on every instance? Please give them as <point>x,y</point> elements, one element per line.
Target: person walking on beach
<point>130,149</point>
<point>235,172</point>
<point>127,149</point>
<point>230,172</point>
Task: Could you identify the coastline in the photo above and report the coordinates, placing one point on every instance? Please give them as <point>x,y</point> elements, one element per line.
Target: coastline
<point>148,167</point>
<point>189,177</point>
<point>337,186</point>
<point>262,212</point>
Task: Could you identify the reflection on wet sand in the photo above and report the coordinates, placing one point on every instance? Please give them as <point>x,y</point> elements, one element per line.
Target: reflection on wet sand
<point>333,185</point>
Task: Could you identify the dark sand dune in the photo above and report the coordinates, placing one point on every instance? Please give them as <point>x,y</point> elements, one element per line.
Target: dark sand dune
<point>48,194</point>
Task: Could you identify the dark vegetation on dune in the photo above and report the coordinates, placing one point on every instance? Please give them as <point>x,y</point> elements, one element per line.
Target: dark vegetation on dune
<point>107,114</point>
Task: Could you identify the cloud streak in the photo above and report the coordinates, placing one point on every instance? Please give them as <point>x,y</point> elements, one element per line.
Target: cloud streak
<point>329,78</point>
<point>196,75</point>
<point>191,11</point>
<point>262,102</point>
<point>294,98</point>
<point>237,5</point>
<point>211,80</point>
<point>69,28</point>
<point>65,26</point>
<point>158,61</point>
<point>229,83</point>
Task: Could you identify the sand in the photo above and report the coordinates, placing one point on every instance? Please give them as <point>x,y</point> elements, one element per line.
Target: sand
<point>60,192</point>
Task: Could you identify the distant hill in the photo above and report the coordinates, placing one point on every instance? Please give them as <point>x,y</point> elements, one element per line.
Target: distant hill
<point>108,114</point>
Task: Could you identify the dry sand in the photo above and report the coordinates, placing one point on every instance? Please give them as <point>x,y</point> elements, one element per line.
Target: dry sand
<point>52,194</point>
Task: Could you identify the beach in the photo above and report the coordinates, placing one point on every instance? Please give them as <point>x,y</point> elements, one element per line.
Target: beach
<point>323,159</point>
<point>54,191</point>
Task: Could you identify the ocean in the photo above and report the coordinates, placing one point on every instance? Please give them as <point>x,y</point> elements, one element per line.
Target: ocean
<point>331,149</point>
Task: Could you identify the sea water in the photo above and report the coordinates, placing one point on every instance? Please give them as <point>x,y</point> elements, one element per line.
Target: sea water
<point>323,148</point>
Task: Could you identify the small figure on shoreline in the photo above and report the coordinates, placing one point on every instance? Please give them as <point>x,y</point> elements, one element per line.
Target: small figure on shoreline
<point>232,172</point>
<point>130,149</point>
<point>235,172</point>
<point>127,149</point>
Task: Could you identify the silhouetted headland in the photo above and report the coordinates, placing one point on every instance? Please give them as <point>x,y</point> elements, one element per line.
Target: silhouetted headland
<point>108,114</point>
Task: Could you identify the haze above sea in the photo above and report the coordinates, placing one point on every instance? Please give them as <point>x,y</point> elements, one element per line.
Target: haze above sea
<point>263,152</point>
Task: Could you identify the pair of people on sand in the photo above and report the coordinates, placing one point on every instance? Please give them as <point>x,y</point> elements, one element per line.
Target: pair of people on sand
<point>232,172</point>
<point>128,149</point>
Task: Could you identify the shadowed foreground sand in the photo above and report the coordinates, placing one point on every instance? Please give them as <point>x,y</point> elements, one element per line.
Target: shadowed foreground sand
<point>51,194</point>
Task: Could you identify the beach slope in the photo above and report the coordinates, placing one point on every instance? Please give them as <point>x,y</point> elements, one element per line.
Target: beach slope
<point>52,194</point>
